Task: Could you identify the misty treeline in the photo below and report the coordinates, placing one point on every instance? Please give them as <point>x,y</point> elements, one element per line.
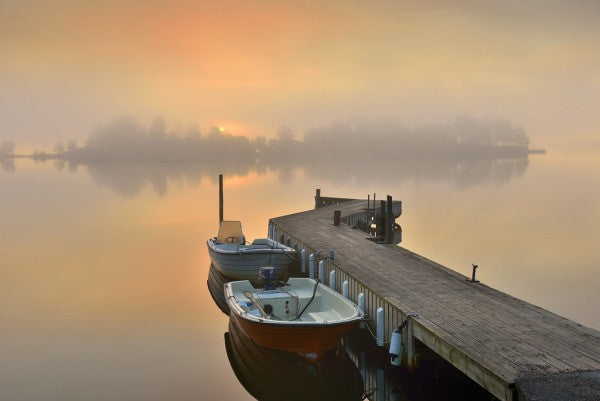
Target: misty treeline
<point>125,139</point>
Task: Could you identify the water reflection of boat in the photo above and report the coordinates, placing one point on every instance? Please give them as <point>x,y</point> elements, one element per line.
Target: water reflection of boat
<point>302,316</point>
<point>269,374</point>
<point>215,283</point>
<point>234,258</point>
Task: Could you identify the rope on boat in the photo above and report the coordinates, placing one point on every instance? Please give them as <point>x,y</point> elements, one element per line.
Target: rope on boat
<point>311,299</point>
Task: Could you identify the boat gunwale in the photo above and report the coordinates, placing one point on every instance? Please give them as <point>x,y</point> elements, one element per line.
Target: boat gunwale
<point>288,251</point>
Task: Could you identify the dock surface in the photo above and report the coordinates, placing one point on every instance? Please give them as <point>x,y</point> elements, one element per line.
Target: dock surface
<point>510,347</point>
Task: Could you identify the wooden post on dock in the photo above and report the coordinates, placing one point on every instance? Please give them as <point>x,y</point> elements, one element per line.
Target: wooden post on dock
<point>318,198</point>
<point>337,217</point>
<point>389,221</point>
<point>220,198</point>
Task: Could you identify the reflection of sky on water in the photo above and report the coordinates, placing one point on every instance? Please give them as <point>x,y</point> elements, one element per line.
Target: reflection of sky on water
<point>95,285</point>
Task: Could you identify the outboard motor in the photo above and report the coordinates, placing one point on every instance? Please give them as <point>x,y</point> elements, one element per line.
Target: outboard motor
<point>267,277</point>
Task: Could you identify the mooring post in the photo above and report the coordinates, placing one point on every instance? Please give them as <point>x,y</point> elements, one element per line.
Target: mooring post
<point>318,198</point>
<point>303,261</point>
<point>311,266</point>
<point>345,289</point>
<point>361,305</point>
<point>337,217</point>
<point>332,280</point>
<point>389,222</point>
<point>220,198</point>
<point>472,280</point>
<point>380,327</point>
<point>322,271</point>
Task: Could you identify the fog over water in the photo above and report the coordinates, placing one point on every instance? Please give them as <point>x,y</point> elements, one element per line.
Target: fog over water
<point>103,264</point>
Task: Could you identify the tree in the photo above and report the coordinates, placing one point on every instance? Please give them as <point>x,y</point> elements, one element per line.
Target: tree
<point>7,148</point>
<point>59,148</point>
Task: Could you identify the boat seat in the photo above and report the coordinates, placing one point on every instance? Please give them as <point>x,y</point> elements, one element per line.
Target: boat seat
<point>230,232</point>
<point>324,316</point>
<point>264,241</point>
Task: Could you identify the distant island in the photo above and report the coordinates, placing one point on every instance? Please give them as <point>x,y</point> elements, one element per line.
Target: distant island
<point>126,140</point>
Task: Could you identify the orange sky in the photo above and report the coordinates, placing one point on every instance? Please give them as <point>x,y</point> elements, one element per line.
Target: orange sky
<point>69,66</point>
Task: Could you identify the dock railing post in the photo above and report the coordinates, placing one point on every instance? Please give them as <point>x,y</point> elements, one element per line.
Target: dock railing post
<point>303,260</point>
<point>311,266</point>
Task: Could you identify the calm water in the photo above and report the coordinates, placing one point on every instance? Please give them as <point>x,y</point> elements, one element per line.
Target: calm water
<point>103,269</point>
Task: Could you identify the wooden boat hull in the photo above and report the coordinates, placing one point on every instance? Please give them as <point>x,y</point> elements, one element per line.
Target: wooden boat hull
<point>311,341</point>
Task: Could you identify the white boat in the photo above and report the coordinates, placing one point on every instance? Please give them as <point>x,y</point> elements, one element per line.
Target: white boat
<point>234,258</point>
<point>302,316</point>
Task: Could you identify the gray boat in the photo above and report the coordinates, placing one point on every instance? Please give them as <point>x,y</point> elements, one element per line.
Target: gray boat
<point>233,257</point>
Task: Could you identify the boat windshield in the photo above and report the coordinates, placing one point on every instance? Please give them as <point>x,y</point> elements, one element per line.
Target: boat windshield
<point>230,232</point>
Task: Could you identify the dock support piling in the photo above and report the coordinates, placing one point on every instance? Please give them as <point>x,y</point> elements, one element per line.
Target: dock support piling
<point>411,360</point>
<point>311,266</point>
<point>380,327</point>
<point>322,271</point>
<point>361,305</point>
<point>332,280</point>
<point>303,260</point>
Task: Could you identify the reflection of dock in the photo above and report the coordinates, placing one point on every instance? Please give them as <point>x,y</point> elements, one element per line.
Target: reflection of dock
<point>509,347</point>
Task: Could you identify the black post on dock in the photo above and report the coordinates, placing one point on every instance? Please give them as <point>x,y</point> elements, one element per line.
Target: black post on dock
<point>380,221</point>
<point>389,221</point>
<point>220,198</point>
<point>337,217</point>
<point>318,199</point>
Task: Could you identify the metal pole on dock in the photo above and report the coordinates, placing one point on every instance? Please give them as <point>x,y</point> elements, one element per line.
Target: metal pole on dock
<point>220,198</point>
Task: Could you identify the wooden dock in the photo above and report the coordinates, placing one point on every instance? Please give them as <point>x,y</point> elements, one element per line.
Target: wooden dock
<point>513,349</point>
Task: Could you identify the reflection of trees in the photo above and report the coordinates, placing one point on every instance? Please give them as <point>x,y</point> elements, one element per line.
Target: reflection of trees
<point>464,173</point>
<point>128,179</point>
<point>7,150</point>
<point>7,163</point>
